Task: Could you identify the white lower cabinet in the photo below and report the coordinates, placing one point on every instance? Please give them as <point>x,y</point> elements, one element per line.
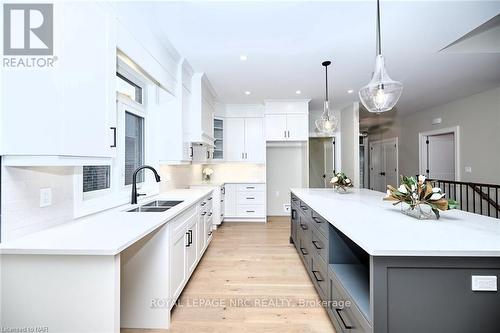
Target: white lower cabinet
<point>245,202</point>
<point>192,253</point>
<point>188,243</point>
<point>178,264</point>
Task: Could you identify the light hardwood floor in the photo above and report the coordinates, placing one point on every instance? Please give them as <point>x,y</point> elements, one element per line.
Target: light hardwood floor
<point>253,264</point>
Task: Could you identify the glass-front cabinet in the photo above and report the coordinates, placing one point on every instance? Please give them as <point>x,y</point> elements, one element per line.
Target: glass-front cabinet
<point>219,139</point>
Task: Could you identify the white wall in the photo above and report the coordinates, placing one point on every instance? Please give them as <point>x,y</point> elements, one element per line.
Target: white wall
<point>479,119</point>
<point>286,167</point>
<point>349,151</point>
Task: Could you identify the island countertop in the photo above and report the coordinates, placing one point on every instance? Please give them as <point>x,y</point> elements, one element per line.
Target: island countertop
<point>381,229</point>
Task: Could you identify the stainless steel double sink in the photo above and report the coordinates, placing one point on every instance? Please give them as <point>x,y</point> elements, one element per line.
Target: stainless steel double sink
<point>155,206</point>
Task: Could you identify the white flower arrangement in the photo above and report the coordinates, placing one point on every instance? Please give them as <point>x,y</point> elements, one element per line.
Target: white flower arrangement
<point>341,181</point>
<point>418,191</point>
<point>207,173</point>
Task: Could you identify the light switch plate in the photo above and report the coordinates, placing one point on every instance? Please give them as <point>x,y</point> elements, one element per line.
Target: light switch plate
<point>484,283</point>
<point>45,197</point>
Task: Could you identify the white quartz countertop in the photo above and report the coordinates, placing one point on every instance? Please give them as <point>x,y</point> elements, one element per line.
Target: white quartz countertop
<point>381,229</point>
<point>107,233</point>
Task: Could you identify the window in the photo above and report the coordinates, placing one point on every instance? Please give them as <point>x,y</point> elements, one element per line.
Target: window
<point>134,146</point>
<point>96,177</point>
<point>129,88</point>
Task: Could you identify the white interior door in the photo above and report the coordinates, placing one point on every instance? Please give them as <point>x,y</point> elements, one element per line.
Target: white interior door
<point>234,139</point>
<point>377,167</point>
<point>383,164</point>
<point>441,156</point>
<point>329,164</point>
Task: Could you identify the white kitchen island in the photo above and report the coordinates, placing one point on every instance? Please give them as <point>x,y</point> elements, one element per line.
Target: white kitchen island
<point>399,274</point>
<point>115,269</point>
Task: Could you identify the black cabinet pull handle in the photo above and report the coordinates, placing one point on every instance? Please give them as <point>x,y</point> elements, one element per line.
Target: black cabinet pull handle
<point>203,203</point>
<point>303,226</point>
<point>346,324</point>
<point>294,214</point>
<point>303,207</point>
<point>190,236</point>
<point>188,243</point>
<point>316,273</point>
<point>208,154</point>
<point>204,213</point>
<point>317,220</point>
<point>250,211</point>
<point>304,252</point>
<point>250,198</point>
<point>114,137</point>
<point>315,243</point>
<point>250,187</point>
<point>210,198</point>
<point>192,152</point>
<point>210,214</point>
<point>210,233</point>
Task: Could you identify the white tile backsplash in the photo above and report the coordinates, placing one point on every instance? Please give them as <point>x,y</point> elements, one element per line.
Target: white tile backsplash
<point>21,211</point>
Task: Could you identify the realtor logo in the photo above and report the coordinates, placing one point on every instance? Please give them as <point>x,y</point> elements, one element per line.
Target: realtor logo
<point>28,29</point>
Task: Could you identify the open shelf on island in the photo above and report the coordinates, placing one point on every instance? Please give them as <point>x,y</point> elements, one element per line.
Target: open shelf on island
<point>354,279</point>
<point>351,266</point>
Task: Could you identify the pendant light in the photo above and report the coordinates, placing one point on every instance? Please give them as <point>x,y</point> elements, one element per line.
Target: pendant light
<point>327,124</point>
<point>381,93</point>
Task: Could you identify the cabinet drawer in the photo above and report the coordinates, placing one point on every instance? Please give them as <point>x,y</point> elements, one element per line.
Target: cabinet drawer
<point>319,244</point>
<point>251,187</point>
<point>251,198</point>
<point>250,211</point>
<point>319,275</point>
<point>320,223</point>
<point>349,319</point>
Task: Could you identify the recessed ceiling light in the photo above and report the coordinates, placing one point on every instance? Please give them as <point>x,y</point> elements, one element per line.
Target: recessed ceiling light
<point>247,92</point>
<point>298,92</point>
<point>243,57</point>
<point>350,91</point>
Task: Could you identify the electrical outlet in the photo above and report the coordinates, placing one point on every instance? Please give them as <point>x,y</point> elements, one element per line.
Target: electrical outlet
<point>286,208</point>
<point>468,169</point>
<point>484,283</point>
<point>277,193</point>
<point>45,197</point>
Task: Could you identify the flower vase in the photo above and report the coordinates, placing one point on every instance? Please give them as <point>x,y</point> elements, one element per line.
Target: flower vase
<point>420,212</point>
<point>341,190</point>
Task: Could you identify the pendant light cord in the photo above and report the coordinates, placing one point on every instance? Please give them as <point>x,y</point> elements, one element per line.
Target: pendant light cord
<point>326,81</point>
<point>379,40</point>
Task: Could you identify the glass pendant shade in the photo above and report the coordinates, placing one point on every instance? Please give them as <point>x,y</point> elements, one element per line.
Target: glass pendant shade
<point>382,93</point>
<point>327,124</point>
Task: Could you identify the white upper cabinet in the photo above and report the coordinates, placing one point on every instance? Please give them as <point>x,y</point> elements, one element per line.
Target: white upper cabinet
<point>275,127</point>
<point>255,145</point>
<point>244,140</point>
<point>66,110</point>
<point>202,110</point>
<point>286,120</point>
<point>297,126</point>
<point>234,139</point>
<point>174,146</point>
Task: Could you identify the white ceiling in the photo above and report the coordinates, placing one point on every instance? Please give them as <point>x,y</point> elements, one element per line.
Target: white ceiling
<point>286,42</point>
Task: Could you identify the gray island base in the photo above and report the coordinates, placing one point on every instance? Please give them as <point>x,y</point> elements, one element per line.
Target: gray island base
<point>398,274</point>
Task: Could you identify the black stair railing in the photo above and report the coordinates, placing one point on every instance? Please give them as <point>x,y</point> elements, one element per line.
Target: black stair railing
<point>476,198</point>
